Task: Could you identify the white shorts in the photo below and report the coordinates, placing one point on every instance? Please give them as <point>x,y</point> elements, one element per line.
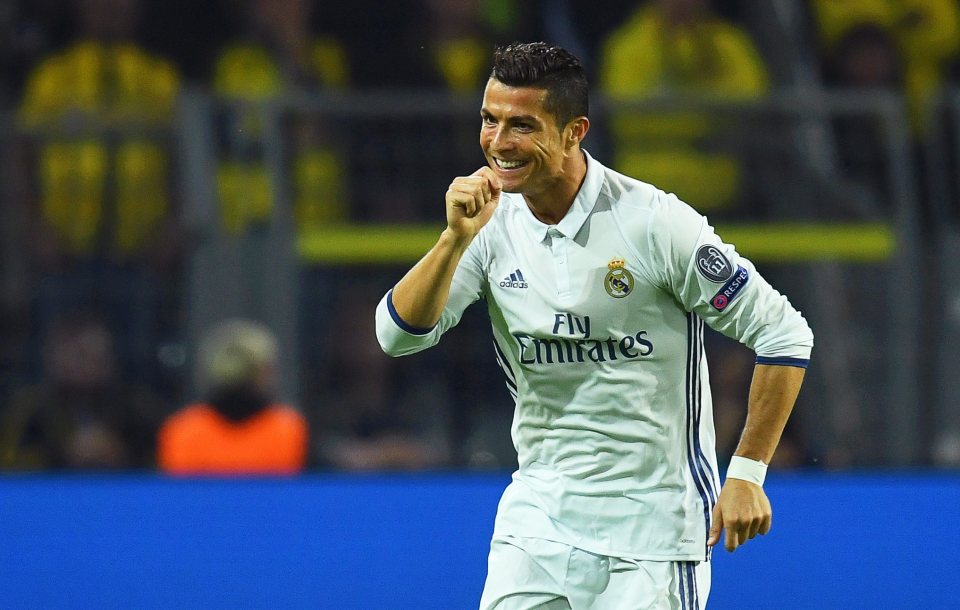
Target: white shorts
<point>530,573</point>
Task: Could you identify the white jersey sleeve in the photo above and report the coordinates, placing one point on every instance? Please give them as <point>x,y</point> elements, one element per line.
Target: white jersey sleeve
<point>397,338</point>
<point>709,278</point>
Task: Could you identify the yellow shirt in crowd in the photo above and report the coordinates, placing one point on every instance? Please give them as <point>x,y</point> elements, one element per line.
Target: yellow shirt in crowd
<point>248,72</point>
<point>103,185</point>
<point>927,32</point>
<point>647,58</point>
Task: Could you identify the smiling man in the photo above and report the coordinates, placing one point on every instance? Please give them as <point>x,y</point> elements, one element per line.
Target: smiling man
<point>598,286</point>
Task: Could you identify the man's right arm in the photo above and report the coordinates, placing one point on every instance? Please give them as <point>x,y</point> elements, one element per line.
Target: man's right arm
<point>417,302</point>
<point>419,298</point>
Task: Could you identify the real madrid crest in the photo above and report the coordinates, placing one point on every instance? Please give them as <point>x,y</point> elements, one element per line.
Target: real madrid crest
<point>618,282</point>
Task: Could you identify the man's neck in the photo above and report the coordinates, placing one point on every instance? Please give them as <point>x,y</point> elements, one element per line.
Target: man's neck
<point>553,203</point>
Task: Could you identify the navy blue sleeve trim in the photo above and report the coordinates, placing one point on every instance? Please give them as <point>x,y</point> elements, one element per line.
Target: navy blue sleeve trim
<point>413,330</point>
<point>784,361</point>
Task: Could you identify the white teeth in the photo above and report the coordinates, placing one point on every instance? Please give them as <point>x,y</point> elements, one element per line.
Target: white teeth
<point>509,164</point>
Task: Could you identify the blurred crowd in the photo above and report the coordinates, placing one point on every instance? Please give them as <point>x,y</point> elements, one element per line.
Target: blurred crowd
<point>95,372</point>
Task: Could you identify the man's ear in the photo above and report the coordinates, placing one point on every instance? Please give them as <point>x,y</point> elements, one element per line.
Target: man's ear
<point>575,131</point>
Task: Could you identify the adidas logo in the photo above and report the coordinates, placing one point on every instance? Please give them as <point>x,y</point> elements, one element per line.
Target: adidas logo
<point>514,280</point>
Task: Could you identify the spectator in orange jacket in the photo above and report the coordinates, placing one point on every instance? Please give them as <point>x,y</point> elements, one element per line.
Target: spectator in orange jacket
<point>238,428</point>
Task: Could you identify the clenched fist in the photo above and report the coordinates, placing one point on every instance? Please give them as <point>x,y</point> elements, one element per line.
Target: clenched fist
<point>471,201</point>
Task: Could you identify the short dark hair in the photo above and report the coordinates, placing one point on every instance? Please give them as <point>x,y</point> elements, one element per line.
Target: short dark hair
<point>541,66</point>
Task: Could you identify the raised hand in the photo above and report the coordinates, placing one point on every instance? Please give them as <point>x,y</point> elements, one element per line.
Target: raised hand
<point>471,201</point>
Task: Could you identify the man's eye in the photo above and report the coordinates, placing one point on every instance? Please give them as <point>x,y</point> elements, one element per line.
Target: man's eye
<point>488,120</point>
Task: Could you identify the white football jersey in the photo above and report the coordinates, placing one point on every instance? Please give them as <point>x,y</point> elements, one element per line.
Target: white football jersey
<point>598,327</point>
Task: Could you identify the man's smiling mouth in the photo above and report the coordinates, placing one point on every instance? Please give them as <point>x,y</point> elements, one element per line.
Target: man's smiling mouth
<point>508,164</point>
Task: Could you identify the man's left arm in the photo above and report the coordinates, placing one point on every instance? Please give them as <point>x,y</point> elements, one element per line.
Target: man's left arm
<point>710,278</point>
<point>743,510</point>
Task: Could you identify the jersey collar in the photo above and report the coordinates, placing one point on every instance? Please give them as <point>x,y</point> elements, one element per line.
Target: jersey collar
<point>582,205</point>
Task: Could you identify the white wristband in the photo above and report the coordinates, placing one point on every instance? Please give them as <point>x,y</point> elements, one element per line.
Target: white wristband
<point>746,469</point>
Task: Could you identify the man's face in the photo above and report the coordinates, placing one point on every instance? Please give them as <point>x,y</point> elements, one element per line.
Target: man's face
<point>682,12</point>
<point>520,138</point>
<point>109,20</point>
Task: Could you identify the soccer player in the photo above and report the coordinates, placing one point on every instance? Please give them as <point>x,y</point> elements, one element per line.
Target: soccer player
<point>598,286</point>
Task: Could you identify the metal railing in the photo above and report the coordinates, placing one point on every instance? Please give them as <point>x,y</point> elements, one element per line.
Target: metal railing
<point>941,147</point>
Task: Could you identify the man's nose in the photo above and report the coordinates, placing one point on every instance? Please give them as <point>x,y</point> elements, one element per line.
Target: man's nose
<point>501,139</point>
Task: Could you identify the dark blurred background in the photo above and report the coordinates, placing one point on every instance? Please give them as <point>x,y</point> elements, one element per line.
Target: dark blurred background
<point>166,166</point>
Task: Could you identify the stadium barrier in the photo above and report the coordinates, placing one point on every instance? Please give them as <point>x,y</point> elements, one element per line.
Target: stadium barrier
<point>419,542</point>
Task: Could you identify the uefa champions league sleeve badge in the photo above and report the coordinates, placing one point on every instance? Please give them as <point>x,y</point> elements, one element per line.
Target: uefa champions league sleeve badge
<point>712,264</point>
<point>618,282</point>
